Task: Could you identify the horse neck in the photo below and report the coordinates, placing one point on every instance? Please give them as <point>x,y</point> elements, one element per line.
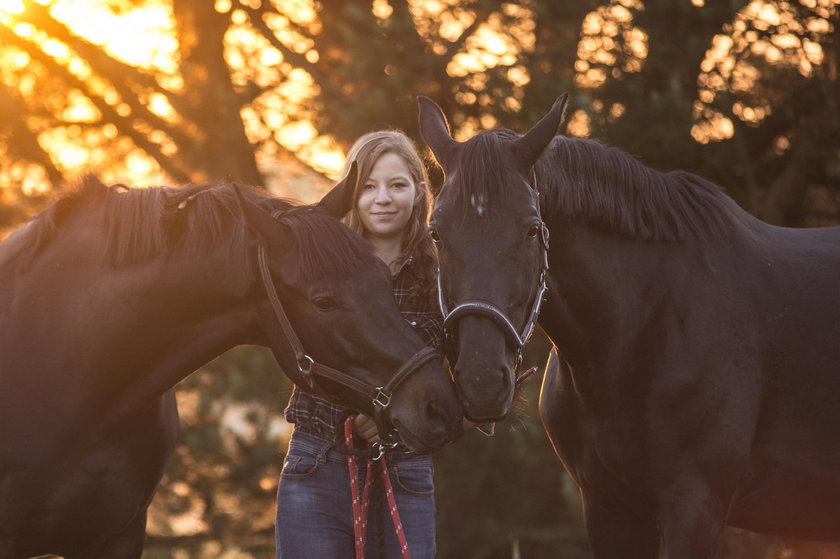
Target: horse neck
<point>602,286</point>
<point>622,235</point>
<point>123,335</point>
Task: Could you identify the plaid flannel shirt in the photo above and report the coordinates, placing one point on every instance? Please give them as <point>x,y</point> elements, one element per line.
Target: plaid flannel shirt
<point>317,416</point>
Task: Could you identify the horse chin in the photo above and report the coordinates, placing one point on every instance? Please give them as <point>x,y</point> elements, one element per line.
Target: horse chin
<point>487,416</point>
<point>485,406</point>
<point>410,440</point>
<point>418,443</point>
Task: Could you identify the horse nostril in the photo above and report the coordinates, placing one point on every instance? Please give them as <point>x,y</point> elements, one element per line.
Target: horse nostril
<point>438,419</point>
<point>507,377</point>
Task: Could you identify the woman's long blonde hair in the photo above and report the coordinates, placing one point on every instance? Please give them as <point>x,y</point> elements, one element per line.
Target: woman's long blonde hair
<point>416,241</point>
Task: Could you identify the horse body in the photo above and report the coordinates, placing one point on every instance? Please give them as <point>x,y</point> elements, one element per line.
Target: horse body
<point>796,455</point>
<point>697,375</point>
<point>98,331</point>
<point>87,420</point>
<point>88,498</point>
<point>706,368</point>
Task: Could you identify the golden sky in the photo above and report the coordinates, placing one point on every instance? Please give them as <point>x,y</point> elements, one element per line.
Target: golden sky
<point>279,114</point>
<point>610,45</point>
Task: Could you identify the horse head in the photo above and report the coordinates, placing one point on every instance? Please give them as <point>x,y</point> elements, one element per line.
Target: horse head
<point>357,345</point>
<point>492,245</point>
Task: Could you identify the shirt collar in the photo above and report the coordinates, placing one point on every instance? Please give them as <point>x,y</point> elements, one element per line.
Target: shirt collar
<point>406,264</point>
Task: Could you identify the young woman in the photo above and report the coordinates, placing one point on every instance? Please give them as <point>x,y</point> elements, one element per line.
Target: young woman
<point>314,509</point>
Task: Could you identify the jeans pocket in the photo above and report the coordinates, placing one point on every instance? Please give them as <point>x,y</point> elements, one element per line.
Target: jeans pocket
<point>298,465</point>
<point>414,479</point>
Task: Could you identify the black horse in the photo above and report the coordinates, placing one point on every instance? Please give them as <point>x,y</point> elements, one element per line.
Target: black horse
<point>113,295</point>
<point>699,359</point>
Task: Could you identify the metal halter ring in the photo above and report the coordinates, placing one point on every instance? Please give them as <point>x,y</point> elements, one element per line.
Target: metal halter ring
<point>380,448</point>
<point>305,364</point>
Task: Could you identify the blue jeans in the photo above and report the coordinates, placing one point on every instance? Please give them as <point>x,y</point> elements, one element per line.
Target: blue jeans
<point>314,510</point>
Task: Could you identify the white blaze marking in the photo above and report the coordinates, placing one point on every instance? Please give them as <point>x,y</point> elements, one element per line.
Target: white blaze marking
<point>477,205</point>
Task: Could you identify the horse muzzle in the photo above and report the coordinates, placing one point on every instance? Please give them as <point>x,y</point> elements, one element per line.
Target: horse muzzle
<point>483,365</point>
<point>425,412</point>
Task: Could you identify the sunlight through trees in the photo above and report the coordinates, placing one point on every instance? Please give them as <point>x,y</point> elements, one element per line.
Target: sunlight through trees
<point>271,92</point>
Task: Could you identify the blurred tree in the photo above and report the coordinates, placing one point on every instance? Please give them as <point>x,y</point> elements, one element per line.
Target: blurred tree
<point>508,496</point>
<point>219,490</point>
<point>773,75</point>
<point>743,92</point>
<point>188,122</point>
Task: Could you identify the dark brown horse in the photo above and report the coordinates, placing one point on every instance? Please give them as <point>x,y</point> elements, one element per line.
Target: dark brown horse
<point>699,368</point>
<point>113,295</point>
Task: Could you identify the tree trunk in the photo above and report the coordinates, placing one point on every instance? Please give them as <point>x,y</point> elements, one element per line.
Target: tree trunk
<point>218,147</point>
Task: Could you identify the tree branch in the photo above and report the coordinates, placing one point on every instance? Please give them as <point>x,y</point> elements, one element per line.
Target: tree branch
<point>295,58</point>
<point>25,143</point>
<point>120,75</point>
<point>100,61</point>
<point>124,124</point>
<point>455,46</point>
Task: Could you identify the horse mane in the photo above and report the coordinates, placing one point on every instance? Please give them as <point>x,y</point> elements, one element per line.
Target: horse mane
<point>325,247</point>
<point>141,224</point>
<point>584,179</point>
<point>33,236</point>
<point>587,181</point>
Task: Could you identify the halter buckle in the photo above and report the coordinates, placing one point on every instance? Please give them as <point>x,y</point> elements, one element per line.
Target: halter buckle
<point>381,398</point>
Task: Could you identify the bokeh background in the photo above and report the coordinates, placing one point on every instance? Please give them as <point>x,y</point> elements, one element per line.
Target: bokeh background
<point>272,92</point>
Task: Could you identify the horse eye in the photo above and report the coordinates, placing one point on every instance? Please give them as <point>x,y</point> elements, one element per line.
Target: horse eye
<point>533,231</point>
<point>324,303</point>
<point>434,235</point>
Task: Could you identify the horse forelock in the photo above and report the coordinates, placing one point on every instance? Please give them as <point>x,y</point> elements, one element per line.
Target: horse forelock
<point>590,182</point>
<point>326,248</point>
<point>483,174</point>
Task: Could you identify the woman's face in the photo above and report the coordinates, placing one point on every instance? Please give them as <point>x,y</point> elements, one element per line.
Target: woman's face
<point>387,198</point>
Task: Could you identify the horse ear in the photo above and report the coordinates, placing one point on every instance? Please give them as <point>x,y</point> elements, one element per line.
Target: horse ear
<point>529,147</point>
<point>435,132</point>
<point>256,219</point>
<point>338,201</point>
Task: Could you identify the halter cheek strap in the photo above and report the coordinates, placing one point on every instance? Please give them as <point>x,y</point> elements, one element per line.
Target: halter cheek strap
<point>518,338</point>
<point>308,370</point>
<point>477,306</point>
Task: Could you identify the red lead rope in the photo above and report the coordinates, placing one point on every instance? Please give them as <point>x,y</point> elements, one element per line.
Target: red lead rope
<point>360,505</point>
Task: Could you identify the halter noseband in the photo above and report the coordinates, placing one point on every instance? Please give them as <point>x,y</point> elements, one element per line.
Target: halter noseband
<point>477,306</point>
<point>310,370</point>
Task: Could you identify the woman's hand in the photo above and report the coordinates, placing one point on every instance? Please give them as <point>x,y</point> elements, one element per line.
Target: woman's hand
<point>365,427</point>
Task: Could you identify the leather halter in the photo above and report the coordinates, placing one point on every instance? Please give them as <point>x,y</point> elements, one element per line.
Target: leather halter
<point>518,338</point>
<point>310,370</point>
